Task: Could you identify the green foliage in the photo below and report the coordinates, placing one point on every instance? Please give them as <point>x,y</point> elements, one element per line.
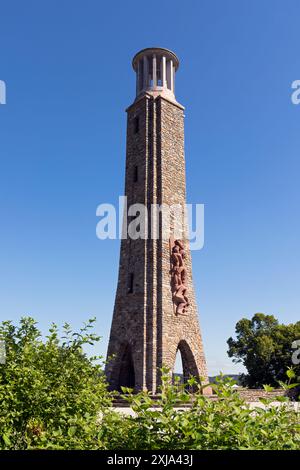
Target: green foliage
<point>265,348</point>
<point>225,423</point>
<point>50,392</point>
<point>54,397</point>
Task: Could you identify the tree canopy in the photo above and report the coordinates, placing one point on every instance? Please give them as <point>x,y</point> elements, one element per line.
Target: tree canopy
<point>264,347</point>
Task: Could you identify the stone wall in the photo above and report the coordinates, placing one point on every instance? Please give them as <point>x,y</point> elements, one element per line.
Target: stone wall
<point>182,330</point>
<point>254,394</point>
<point>251,395</point>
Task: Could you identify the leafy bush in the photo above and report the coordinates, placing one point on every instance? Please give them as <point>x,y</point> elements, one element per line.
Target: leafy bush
<point>225,423</point>
<point>54,397</point>
<point>50,392</point>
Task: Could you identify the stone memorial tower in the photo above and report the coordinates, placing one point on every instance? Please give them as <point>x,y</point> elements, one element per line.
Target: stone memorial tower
<point>155,311</point>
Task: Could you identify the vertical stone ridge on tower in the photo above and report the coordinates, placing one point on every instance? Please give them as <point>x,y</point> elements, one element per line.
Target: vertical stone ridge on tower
<point>153,317</point>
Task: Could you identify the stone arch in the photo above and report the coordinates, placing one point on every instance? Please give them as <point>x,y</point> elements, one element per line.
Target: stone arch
<point>189,365</point>
<point>126,372</point>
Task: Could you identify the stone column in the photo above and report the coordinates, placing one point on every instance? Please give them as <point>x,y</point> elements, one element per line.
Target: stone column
<point>171,76</point>
<point>164,71</point>
<point>146,72</point>
<point>154,71</point>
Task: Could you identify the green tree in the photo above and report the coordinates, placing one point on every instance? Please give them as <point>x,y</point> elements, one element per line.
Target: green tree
<point>51,393</point>
<point>264,347</point>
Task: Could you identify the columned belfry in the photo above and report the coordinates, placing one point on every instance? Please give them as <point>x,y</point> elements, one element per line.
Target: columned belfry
<point>155,311</point>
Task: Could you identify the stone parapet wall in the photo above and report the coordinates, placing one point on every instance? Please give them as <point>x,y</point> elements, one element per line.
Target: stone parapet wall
<point>250,395</point>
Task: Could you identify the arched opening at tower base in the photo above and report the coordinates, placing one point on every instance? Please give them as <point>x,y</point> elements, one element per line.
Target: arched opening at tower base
<point>185,365</point>
<point>126,374</point>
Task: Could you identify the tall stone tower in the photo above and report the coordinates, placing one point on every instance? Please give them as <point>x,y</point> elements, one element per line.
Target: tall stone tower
<point>155,311</point>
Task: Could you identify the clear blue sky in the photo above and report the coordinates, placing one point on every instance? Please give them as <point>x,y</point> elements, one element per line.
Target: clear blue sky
<point>67,66</point>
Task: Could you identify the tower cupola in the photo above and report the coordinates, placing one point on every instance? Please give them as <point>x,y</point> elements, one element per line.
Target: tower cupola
<point>155,69</point>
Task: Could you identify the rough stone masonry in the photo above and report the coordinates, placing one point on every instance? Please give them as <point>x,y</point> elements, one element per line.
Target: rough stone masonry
<point>147,330</point>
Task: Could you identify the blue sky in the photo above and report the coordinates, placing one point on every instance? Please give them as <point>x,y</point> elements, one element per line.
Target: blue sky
<point>67,68</point>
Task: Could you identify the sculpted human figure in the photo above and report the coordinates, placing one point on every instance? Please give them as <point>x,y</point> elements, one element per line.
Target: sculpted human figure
<point>178,273</point>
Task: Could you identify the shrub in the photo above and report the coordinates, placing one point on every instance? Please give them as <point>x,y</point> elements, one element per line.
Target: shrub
<point>225,423</point>
<point>50,392</point>
<point>53,396</point>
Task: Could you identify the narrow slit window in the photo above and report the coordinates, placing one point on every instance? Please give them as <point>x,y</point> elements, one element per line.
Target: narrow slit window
<point>135,174</point>
<point>130,283</point>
